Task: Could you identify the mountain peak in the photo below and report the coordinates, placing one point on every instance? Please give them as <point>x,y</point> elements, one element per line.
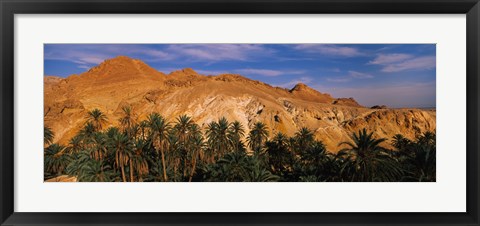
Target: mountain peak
<point>185,71</point>
<point>189,71</point>
<point>122,66</point>
<point>119,61</point>
<point>299,87</point>
<point>120,58</point>
<point>307,93</point>
<point>347,102</point>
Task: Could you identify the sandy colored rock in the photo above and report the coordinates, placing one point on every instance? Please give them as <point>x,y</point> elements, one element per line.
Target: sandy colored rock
<point>62,178</point>
<point>347,102</point>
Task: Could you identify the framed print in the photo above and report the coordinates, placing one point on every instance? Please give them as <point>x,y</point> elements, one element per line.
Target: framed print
<point>238,113</point>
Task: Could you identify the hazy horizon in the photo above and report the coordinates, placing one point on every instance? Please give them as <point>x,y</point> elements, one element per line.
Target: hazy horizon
<point>396,75</point>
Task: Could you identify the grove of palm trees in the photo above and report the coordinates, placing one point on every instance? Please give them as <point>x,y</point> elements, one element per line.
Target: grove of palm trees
<point>158,150</point>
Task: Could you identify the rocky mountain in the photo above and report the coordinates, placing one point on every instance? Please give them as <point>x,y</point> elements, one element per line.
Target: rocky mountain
<point>124,81</point>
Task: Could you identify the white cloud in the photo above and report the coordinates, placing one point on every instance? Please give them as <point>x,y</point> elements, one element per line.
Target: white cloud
<point>76,56</point>
<point>243,71</point>
<point>383,59</point>
<point>89,60</point>
<point>84,67</point>
<point>397,62</point>
<point>361,75</point>
<point>341,79</point>
<point>351,75</point>
<point>213,52</point>
<point>268,72</point>
<point>331,50</point>
<point>155,54</point>
<point>419,63</point>
<point>263,72</point>
<point>149,53</point>
<point>93,55</point>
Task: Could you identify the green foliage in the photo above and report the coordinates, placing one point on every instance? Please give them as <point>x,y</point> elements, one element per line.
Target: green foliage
<point>257,137</point>
<point>237,167</point>
<point>158,150</point>
<point>366,160</point>
<point>94,171</point>
<point>280,157</point>
<point>47,135</point>
<point>96,118</point>
<point>418,158</point>
<point>55,160</point>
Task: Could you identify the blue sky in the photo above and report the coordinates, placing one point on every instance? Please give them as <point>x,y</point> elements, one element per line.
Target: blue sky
<point>397,75</point>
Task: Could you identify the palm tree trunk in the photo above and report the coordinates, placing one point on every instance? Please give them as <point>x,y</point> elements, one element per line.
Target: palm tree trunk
<point>164,167</point>
<point>123,174</point>
<point>185,167</point>
<point>175,171</point>
<point>131,170</point>
<point>117,162</point>
<point>194,164</point>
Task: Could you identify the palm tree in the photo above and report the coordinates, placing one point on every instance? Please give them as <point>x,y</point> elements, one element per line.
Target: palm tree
<point>232,167</point>
<point>218,137</point>
<point>303,139</point>
<point>87,133</point>
<point>366,160</point>
<point>48,135</point>
<point>196,145</point>
<point>238,167</point>
<point>425,162</point>
<point>182,131</point>
<point>176,153</point>
<point>143,126</point>
<point>257,137</point>
<point>133,131</point>
<point>400,142</point>
<point>128,119</point>
<point>427,138</point>
<point>100,146</point>
<point>260,174</point>
<point>420,163</point>
<point>56,160</point>
<point>159,129</point>
<point>111,131</point>
<point>315,153</point>
<point>94,171</point>
<point>75,145</point>
<point>122,148</point>
<point>212,142</point>
<point>182,128</point>
<point>235,135</point>
<point>257,173</point>
<point>97,118</point>
<point>280,139</point>
<point>79,159</point>
<point>138,161</point>
<point>315,164</point>
<point>279,156</point>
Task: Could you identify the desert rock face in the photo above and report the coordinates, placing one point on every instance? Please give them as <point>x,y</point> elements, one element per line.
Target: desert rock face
<point>124,81</point>
<point>62,178</point>
<point>347,102</point>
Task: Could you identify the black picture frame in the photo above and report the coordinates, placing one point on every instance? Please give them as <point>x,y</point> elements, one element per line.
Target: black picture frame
<point>9,8</point>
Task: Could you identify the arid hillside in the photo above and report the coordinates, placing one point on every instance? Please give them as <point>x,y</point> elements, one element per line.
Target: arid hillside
<point>124,81</point>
